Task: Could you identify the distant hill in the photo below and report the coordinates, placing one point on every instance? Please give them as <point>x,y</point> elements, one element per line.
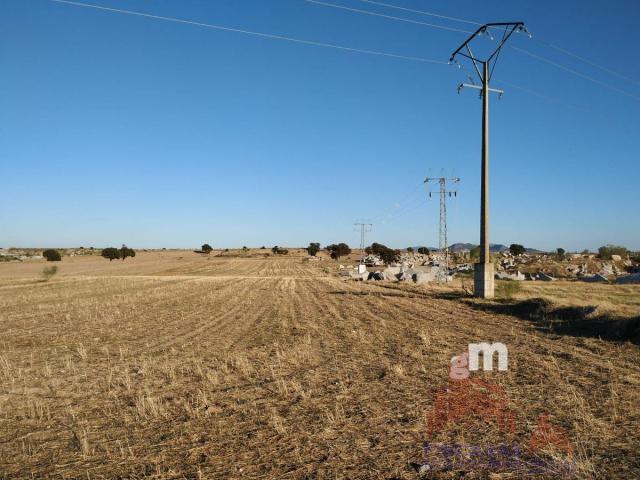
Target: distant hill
<point>462,247</point>
<point>465,247</point>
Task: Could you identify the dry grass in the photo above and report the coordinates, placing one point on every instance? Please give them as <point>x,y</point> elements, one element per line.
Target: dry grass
<point>613,300</point>
<point>172,365</point>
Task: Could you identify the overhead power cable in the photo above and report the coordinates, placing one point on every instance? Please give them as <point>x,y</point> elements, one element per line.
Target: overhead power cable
<point>311,42</point>
<point>535,37</point>
<point>544,96</point>
<point>575,72</point>
<point>587,61</point>
<point>250,32</point>
<point>398,205</point>
<point>389,17</point>
<point>422,12</point>
<point>402,213</point>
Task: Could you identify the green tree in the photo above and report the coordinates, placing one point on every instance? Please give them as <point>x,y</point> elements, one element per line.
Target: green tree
<point>423,250</point>
<point>338,250</point>
<point>386,254</point>
<point>410,249</point>
<point>607,251</point>
<point>560,253</point>
<point>389,255</point>
<point>516,249</point>
<point>206,248</point>
<point>111,253</point>
<point>126,252</point>
<point>375,249</point>
<point>313,249</point>
<point>52,255</point>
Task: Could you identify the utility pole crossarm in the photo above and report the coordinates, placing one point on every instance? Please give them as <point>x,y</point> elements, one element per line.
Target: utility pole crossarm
<point>510,27</point>
<point>478,87</point>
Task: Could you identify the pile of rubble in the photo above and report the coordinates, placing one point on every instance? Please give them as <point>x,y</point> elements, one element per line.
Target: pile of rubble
<point>403,273</point>
<point>18,255</point>
<point>528,266</point>
<point>373,261</point>
<point>587,267</point>
<point>411,258</point>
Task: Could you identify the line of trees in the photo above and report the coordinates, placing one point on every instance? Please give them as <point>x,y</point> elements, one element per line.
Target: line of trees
<point>421,250</point>
<point>112,253</point>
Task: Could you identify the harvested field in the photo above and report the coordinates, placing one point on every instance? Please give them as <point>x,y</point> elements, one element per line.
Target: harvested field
<point>174,365</point>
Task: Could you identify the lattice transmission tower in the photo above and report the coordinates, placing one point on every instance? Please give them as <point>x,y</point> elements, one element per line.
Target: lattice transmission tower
<point>443,245</point>
<point>364,229</point>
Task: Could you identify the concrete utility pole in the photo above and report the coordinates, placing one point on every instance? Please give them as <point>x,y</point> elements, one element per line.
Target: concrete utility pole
<point>443,242</point>
<point>484,270</point>
<point>364,228</point>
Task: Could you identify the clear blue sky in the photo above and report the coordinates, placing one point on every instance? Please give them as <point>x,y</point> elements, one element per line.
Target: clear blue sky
<point>121,129</point>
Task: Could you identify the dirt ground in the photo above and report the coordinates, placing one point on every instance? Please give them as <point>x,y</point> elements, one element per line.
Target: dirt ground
<point>178,365</point>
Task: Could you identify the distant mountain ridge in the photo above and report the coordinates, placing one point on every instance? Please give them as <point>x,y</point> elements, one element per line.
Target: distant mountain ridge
<point>461,247</point>
<point>465,247</point>
<point>494,248</point>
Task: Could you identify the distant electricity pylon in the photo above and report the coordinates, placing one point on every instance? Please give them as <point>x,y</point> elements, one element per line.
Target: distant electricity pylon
<point>483,272</point>
<point>443,244</point>
<point>364,228</point>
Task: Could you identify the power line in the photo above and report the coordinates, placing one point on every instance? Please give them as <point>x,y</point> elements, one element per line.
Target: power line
<point>421,12</point>
<point>587,61</point>
<point>389,213</point>
<point>389,17</point>
<point>542,41</point>
<point>250,32</point>
<point>404,212</point>
<point>543,96</point>
<point>574,72</point>
<point>303,41</point>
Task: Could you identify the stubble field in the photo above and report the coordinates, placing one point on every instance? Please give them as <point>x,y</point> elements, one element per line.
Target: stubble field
<point>173,365</point>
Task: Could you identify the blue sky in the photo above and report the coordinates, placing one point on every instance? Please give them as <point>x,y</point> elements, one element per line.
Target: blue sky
<point>121,129</point>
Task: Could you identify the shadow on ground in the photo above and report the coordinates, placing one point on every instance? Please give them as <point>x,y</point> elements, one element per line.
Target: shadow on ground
<point>575,321</point>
